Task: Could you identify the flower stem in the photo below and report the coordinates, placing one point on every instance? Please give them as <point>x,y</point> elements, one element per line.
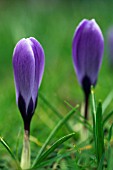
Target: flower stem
<point>86,106</point>
<point>25,158</point>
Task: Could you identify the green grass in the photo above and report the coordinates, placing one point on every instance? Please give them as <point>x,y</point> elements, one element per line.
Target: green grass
<point>53,23</point>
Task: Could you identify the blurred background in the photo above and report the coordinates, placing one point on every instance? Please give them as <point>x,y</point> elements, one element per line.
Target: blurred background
<point>52,23</point>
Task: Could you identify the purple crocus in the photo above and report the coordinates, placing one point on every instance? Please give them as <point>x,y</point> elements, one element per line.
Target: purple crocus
<point>28,65</point>
<point>87,51</point>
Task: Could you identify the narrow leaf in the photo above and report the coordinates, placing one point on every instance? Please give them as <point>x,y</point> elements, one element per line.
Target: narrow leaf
<point>54,146</point>
<point>107,117</point>
<point>54,109</point>
<point>110,158</point>
<point>53,133</point>
<point>10,152</point>
<point>79,117</point>
<point>100,167</point>
<point>42,97</point>
<point>99,132</point>
<point>110,133</point>
<point>107,101</point>
<point>93,103</point>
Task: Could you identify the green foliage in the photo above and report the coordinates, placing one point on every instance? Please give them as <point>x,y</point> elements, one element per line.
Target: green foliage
<point>53,133</point>
<point>51,149</point>
<point>10,152</point>
<point>53,24</point>
<point>98,128</point>
<point>99,132</point>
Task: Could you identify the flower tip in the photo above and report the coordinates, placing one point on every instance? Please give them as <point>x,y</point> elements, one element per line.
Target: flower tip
<point>93,20</point>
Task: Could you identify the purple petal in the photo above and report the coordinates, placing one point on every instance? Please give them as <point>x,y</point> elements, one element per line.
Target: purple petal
<point>39,65</point>
<point>78,65</point>
<point>87,50</point>
<point>24,70</point>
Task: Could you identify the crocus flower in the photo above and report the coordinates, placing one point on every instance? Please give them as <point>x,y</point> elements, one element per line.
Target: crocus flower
<point>28,65</point>
<point>87,51</point>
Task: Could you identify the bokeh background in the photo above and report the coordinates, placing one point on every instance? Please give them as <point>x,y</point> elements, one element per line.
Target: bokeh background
<point>53,23</point>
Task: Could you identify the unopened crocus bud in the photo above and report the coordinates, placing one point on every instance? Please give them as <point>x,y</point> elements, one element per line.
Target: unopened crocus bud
<point>28,65</point>
<point>87,51</point>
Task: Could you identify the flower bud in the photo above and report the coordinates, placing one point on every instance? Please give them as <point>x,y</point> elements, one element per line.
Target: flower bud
<point>28,65</point>
<point>87,51</point>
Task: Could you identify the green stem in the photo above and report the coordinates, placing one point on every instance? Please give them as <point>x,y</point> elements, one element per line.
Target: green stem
<point>25,158</point>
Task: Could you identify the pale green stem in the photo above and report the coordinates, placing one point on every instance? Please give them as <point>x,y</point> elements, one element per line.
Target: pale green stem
<point>25,158</point>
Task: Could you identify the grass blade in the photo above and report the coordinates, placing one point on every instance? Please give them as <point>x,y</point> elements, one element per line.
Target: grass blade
<point>110,132</point>
<point>97,127</point>
<point>81,119</point>
<point>93,102</point>
<point>54,109</point>
<point>99,132</point>
<point>53,133</point>
<point>110,159</point>
<point>50,105</point>
<point>53,147</point>
<point>107,101</point>
<point>107,117</point>
<point>10,152</point>
<point>100,167</point>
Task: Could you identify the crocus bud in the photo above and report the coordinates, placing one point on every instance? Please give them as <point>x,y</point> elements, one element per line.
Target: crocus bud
<point>28,65</point>
<point>87,51</point>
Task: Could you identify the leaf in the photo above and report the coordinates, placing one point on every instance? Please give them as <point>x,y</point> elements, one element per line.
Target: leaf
<point>84,122</point>
<point>99,132</point>
<point>110,158</point>
<point>54,109</point>
<point>107,101</point>
<point>110,133</point>
<point>47,162</point>
<point>100,167</point>
<point>107,117</point>
<point>53,133</point>
<point>93,106</point>
<point>54,146</point>
<point>81,119</point>
<point>97,127</point>
<point>50,105</point>
<point>10,152</point>
<point>93,102</point>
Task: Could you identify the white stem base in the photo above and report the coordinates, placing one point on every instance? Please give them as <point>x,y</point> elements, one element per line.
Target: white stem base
<point>25,158</point>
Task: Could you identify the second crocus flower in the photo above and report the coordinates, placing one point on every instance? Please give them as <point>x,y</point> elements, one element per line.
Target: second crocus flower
<point>87,51</point>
